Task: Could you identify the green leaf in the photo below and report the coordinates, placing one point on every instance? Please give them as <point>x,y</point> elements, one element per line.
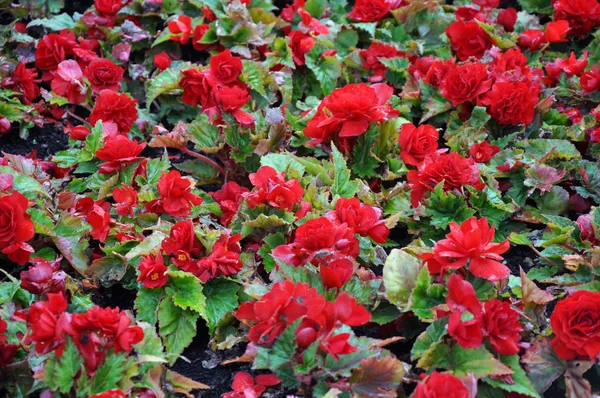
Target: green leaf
<point>341,176</point>
<point>26,185</point>
<point>327,70</point>
<point>69,241</point>
<point>202,133</point>
<point>149,244</point>
<point>364,163</point>
<point>221,298</point>
<point>470,132</point>
<point>520,383</point>
<point>478,362</point>
<point>385,313</point>
<point>61,372</point>
<point>166,81</point>
<point>543,364</point>
<point>93,142</point>
<point>548,149</point>
<point>146,304</point>
<point>177,327</point>
<point>432,335</point>
<point>255,75</point>
<point>446,207</point>
<point>315,7</point>
<point>186,291</point>
<point>109,374</point>
<point>425,295</point>
<point>400,274</point>
<point>536,6</point>
<point>57,22</point>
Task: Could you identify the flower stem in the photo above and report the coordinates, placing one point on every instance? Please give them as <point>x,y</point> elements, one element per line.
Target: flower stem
<point>205,159</point>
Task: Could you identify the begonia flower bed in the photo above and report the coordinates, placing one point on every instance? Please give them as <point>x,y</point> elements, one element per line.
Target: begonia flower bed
<point>317,198</point>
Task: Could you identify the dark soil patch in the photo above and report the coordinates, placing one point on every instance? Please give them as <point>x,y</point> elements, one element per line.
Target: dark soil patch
<point>46,140</point>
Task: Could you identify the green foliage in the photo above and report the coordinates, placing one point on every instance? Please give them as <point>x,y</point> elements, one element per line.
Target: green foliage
<point>186,291</point>
<point>341,176</point>
<point>61,372</point>
<point>425,295</point>
<point>447,207</point>
<point>221,298</point>
<point>400,274</point>
<point>177,327</point>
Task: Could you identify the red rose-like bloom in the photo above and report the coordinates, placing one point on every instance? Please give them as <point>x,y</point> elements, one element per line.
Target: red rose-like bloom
<point>243,385</point>
<point>15,227</point>
<point>43,277</point>
<point>225,67</point>
<point>532,39</point>
<point>108,7</point>
<point>349,312</point>
<point>162,60</point>
<point>369,10</point>
<point>501,324</point>
<point>466,333</point>
<point>197,88</point>
<point>175,194</point>
<point>104,74</point>
<point>586,228</point>
<point>224,259</point>
<point>471,243</point>
<point>181,28</point>
<point>590,80</point>
<point>441,385</point>
<point>337,345</point>
<point>466,83</point>
<point>99,219</point>
<point>117,108</point>
<point>576,325</point>
<point>229,197</point>
<point>79,133</point>
<point>362,218</point>
<point>54,48</point>
<point>199,33</point>
<point>231,99</point>
<point>127,200</point>
<point>319,235</point>
<point>351,109</point>
<point>371,59</point>
<point>511,60</point>
<point>24,80</point>
<point>468,39</point>
<point>336,273</point>
<point>46,323</point>
<point>153,272</point>
<point>68,82</point>
<point>279,308</point>
<point>512,102</point>
<point>556,32</point>
<point>118,151</point>
<point>582,15</point>
<point>507,18</point>
<point>417,143</point>
<point>300,44</point>
<point>483,152</point>
<point>437,71</point>
<point>452,169</point>
<point>274,189</point>
<point>183,244</point>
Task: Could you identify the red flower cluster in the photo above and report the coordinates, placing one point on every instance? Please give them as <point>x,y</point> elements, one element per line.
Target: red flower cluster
<point>471,243</point>
<point>229,197</point>
<point>320,236</point>
<point>348,111</point>
<point>468,39</point>
<point>286,302</point>
<point>94,332</point>
<point>116,108</point>
<point>118,152</point>
<point>244,385</point>
<point>68,82</point>
<point>582,15</point>
<point>183,245</point>
<point>576,326</point>
<point>181,29</point>
<point>218,88</point>
<point>104,74</point>
<point>452,169</point>
<point>483,152</point>
<point>43,277</point>
<point>362,218</point>
<point>441,385</point>
<point>16,227</point>
<point>7,350</point>
<point>23,80</point>
<point>176,198</point>
<point>127,200</point>
<point>274,190</point>
<point>223,260</point>
<point>495,320</point>
<point>369,10</point>
<point>153,272</point>
<point>417,143</point>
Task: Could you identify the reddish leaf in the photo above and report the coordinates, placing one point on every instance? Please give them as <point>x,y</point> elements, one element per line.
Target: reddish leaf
<point>533,294</point>
<point>577,386</point>
<point>377,377</point>
<point>543,365</point>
